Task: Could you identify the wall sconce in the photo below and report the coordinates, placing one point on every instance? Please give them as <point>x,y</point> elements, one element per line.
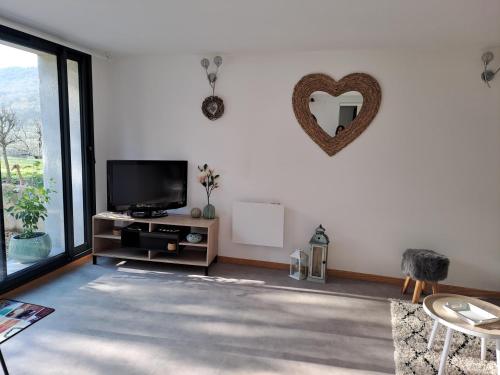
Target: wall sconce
<point>487,75</point>
<point>213,106</point>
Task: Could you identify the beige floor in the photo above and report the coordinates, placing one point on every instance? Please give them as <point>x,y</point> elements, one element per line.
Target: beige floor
<point>239,320</point>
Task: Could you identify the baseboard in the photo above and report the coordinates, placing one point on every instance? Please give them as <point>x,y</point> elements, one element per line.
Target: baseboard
<point>444,288</point>
<point>365,277</point>
<point>472,292</point>
<point>253,263</point>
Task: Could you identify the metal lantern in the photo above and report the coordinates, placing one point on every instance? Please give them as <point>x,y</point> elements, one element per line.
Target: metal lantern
<point>318,255</point>
<point>298,264</point>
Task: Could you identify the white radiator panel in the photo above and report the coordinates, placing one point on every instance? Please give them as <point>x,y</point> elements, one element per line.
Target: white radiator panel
<point>258,223</point>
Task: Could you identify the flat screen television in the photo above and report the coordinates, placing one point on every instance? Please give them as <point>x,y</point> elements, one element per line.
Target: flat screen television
<point>146,185</point>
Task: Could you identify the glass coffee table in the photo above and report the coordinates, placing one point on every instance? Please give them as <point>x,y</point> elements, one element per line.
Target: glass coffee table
<point>434,306</point>
<point>16,316</point>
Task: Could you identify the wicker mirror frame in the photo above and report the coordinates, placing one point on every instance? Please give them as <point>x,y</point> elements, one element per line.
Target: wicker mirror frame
<point>365,84</point>
<point>206,104</point>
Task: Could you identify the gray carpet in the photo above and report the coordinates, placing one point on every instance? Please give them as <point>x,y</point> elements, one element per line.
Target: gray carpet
<point>411,330</point>
<point>240,320</point>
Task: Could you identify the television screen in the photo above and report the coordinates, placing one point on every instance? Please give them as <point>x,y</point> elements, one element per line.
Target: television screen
<point>154,184</point>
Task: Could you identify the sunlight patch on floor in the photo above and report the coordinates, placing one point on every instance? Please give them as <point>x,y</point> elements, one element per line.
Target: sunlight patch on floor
<point>106,287</point>
<point>122,267</point>
<point>194,309</point>
<point>225,280</point>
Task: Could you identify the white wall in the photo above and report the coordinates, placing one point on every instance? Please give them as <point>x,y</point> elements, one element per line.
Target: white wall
<point>425,174</point>
<point>101,92</point>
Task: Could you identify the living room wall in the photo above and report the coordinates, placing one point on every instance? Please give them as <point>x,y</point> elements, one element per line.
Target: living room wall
<point>425,174</point>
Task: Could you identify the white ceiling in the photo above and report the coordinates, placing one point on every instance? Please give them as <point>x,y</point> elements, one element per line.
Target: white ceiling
<point>128,27</point>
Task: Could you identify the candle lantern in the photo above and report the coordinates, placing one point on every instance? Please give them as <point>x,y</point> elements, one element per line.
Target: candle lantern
<point>318,255</point>
<point>298,264</point>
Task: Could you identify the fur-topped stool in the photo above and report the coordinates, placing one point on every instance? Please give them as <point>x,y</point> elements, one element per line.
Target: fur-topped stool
<point>423,266</point>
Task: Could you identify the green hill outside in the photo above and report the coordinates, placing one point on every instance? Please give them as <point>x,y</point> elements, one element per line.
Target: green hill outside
<point>19,93</point>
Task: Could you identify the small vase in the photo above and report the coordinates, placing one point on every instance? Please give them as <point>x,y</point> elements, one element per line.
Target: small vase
<point>209,211</point>
<point>195,213</point>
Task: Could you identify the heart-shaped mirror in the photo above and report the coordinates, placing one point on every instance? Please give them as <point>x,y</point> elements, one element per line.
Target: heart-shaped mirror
<point>334,113</point>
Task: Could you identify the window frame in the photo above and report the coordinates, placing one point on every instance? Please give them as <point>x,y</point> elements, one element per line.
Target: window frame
<point>62,53</point>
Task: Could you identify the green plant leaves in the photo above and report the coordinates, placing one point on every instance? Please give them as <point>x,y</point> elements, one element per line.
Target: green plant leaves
<point>30,208</point>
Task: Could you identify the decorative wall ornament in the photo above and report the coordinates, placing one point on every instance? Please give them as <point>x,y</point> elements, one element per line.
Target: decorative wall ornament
<point>487,75</point>
<point>212,106</point>
<point>363,83</point>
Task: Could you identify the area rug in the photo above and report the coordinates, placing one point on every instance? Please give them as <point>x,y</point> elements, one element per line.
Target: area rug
<point>411,328</point>
<point>15,316</point>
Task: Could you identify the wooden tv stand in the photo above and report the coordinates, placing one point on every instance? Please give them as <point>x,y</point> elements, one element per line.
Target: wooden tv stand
<point>106,244</point>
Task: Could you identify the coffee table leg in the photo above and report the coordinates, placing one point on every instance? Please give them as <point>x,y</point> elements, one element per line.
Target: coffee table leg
<point>446,349</point>
<point>4,366</point>
<point>483,348</point>
<point>433,335</point>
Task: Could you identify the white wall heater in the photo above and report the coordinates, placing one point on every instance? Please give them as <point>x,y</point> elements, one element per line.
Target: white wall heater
<point>258,223</point>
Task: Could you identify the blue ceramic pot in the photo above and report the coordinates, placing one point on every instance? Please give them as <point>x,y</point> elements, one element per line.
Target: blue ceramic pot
<point>209,211</point>
<point>30,250</point>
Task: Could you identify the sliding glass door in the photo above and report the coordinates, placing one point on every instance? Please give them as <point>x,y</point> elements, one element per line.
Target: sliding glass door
<point>46,161</point>
<point>81,138</point>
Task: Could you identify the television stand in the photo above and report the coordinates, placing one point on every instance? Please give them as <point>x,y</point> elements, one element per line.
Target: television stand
<point>107,244</point>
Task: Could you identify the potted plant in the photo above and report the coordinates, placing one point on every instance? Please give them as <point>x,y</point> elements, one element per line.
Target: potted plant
<point>30,207</point>
<point>208,179</point>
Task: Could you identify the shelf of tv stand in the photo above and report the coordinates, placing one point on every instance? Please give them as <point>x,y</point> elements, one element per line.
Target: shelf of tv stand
<point>199,244</point>
<point>188,257</point>
<point>106,244</point>
<point>109,236</point>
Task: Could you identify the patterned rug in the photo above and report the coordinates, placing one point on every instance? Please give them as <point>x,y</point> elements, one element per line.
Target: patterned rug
<point>411,328</point>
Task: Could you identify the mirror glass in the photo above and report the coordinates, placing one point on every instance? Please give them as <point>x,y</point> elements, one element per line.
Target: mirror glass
<point>335,113</point>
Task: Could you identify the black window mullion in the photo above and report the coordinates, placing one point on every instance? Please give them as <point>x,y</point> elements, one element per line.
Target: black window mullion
<point>83,125</point>
<point>88,155</point>
<point>65,151</point>
<point>3,247</point>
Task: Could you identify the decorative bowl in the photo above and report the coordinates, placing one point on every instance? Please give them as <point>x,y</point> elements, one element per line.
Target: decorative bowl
<point>194,237</point>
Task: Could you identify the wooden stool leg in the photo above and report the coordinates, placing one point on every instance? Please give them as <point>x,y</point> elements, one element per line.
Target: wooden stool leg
<point>435,288</point>
<point>417,291</point>
<point>406,283</point>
